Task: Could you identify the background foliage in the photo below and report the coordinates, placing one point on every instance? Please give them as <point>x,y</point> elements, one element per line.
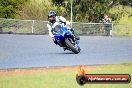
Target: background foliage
<point>83,10</point>
<point>9,8</point>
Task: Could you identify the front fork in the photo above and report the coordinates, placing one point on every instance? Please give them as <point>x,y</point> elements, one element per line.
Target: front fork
<point>76,43</point>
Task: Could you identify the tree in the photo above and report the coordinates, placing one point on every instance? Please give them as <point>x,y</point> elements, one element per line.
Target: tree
<point>58,2</point>
<point>33,10</point>
<point>9,8</point>
<point>89,10</point>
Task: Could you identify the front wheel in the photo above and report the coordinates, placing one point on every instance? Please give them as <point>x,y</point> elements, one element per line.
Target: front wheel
<point>71,46</point>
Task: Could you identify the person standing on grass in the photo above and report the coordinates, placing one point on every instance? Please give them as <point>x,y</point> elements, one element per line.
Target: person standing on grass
<point>108,25</point>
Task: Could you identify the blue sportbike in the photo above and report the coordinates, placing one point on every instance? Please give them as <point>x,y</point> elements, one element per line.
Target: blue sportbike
<point>65,38</point>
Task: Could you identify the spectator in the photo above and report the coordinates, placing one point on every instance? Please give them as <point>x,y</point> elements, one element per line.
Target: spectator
<point>108,25</point>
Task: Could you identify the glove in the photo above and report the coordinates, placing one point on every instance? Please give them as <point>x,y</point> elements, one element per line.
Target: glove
<point>55,41</point>
<point>53,38</point>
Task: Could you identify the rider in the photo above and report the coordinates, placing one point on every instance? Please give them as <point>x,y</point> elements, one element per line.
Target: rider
<point>108,25</point>
<point>53,19</point>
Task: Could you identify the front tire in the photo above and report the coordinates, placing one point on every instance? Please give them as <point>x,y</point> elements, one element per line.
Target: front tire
<point>71,46</point>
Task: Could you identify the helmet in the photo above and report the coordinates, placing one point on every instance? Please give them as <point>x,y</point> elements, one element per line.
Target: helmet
<point>52,16</point>
<point>51,13</point>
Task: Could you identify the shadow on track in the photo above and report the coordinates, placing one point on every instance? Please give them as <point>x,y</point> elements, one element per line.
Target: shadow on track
<point>60,53</point>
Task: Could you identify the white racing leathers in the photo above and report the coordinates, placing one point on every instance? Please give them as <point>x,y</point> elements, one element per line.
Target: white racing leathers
<point>52,25</point>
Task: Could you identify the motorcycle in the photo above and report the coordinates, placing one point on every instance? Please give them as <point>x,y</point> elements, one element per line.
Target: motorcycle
<point>65,38</point>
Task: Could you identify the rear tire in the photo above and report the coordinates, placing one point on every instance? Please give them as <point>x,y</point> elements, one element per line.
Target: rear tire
<point>71,46</point>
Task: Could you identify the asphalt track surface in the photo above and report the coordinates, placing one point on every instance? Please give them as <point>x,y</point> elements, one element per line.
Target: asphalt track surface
<point>24,51</point>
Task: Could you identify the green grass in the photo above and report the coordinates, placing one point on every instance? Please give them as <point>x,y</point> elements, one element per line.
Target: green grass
<point>64,79</point>
<point>123,25</point>
<point>122,30</point>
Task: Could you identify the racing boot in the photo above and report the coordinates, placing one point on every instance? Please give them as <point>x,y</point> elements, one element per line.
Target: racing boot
<point>75,36</point>
<point>64,48</point>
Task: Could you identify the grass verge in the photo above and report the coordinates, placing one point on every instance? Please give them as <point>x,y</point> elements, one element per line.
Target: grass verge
<point>59,77</point>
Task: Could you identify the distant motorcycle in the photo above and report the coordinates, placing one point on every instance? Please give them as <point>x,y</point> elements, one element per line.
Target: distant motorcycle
<point>65,38</point>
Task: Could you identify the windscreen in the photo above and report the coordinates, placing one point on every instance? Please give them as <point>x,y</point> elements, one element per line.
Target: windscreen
<point>57,29</point>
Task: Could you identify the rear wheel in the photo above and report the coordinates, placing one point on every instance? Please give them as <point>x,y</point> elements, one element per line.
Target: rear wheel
<point>71,46</point>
